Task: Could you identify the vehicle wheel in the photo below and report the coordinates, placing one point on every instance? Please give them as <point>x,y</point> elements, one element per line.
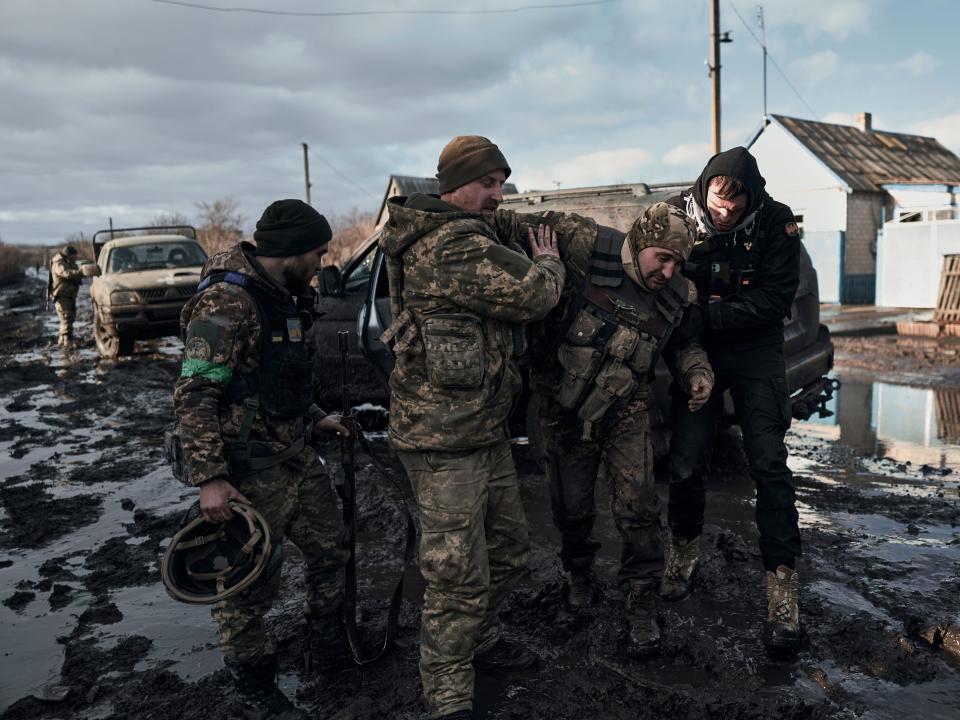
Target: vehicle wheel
<point>109,345</point>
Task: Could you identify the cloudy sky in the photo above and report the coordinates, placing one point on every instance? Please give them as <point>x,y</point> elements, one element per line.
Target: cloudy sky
<point>132,108</point>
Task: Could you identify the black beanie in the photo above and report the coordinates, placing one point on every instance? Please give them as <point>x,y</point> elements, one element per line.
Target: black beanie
<point>290,227</point>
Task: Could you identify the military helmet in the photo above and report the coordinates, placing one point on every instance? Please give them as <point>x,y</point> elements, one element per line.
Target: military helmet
<point>662,225</point>
<point>206,562</point>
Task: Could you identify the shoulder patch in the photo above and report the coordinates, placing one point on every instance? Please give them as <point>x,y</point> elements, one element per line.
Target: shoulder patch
<point>691,293</point>
<point>197,348</point>
<point>792,229</point>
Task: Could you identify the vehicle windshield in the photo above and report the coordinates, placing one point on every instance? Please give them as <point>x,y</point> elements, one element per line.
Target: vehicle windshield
<point>156,256</point>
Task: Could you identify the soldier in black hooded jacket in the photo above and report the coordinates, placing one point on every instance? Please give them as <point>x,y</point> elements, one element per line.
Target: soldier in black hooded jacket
<point>746,272</point>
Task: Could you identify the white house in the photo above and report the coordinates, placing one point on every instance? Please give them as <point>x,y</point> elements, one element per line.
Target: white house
<point>843,183</point>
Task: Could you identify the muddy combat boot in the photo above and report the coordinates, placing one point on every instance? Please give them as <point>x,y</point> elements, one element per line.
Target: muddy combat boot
<point>683,558</point>
<point>580,587</point>
<point>641,613</point>
<point>504,656</point>
<point>781,630</point>
<point>325,648</point>
<point>256,684</point>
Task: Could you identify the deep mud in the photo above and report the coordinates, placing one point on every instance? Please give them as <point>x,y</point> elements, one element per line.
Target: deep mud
<point>87,506</point>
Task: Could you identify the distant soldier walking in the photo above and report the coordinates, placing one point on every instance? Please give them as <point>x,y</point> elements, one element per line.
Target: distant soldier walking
<point>63,285</point>
<point>459,293</point>
<point>246,416</point>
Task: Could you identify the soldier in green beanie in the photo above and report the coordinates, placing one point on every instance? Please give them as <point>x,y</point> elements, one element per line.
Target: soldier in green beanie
<point>460,293</point>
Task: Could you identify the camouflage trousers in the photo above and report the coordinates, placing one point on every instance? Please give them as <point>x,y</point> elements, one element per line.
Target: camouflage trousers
<point>299,505</point>
<point>622,442</point>
<point>473,549</point>
<point>67,312</point>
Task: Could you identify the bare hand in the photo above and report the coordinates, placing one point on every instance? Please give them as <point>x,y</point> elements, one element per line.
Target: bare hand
<point>329,424</point>
<point>700,388</point>
<point>544,242</point>
<point>215,497</point>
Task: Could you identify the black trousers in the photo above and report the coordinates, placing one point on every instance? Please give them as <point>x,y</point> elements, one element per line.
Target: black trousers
<point>763,412</point>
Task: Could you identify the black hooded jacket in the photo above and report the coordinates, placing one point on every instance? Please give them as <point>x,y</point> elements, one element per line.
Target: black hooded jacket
<point>747,276</point>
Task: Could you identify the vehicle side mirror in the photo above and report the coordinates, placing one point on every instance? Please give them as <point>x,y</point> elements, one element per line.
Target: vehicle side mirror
<point>90,270</point>
<point>330,284</point>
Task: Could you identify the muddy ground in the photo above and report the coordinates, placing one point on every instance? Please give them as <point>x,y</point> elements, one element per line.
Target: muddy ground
<point>87,506</point>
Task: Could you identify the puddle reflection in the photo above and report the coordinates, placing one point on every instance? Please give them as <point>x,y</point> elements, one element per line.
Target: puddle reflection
<point>908,424</point>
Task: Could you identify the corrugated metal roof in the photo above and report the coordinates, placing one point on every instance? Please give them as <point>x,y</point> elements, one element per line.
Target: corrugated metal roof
<point>868,160</point>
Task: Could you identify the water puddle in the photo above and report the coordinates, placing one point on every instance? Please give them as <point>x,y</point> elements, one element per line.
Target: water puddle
<point>919,426</point>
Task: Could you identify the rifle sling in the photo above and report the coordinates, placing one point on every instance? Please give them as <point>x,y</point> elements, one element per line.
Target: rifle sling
<point>350,589</point>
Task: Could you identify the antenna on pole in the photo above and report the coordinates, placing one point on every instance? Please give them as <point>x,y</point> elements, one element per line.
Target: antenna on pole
<point>763,44</point>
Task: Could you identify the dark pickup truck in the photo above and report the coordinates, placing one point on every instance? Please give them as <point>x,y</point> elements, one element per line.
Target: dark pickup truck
<point>356,295</point>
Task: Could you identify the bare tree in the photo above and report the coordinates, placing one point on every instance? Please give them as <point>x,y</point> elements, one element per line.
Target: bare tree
<point>169,220</point>
<point>350,230</point>
<point>220,224</point>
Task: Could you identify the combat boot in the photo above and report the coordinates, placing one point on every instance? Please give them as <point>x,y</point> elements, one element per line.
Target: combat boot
<point>781,630</point>
<point>325,648</point>
<point>580,587</point>
<point>641,612</point>
<point>683,559</point>
<point>504,656</point>
<point>256,684</point>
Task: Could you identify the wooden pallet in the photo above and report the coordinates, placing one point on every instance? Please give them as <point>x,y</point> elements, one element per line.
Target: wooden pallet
<point>948,414</point>
<point>928,329</point>
<point>948,300</point>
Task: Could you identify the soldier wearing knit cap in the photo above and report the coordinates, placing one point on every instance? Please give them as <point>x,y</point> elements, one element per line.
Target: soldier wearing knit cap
<point>244,404</point>
<point>460,291</point>
<point>63,285</point>
<point>624,305</point>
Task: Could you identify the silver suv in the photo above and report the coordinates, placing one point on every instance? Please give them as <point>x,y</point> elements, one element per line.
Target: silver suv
<point>140,284</point>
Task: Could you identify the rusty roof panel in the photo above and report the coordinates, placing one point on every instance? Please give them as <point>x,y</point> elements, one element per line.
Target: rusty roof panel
<point>868,160</point>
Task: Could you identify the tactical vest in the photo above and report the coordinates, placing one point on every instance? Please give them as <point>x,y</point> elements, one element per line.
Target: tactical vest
<point>283,382</point>
<point>725,265</point>
<point>610,346</point>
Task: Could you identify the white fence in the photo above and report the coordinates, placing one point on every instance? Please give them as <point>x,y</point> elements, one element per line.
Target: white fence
<point>910,257</point>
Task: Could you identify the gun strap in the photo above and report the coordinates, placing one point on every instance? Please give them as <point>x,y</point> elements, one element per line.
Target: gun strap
<point>350,589</point>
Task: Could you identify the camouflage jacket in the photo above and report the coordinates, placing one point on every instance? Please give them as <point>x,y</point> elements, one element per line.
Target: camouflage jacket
<point>221,330</point>
<point>65,277</point>
<point>464,293</point>
<point>579,251</point>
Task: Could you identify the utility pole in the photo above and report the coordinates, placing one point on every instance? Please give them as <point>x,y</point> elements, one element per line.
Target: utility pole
<point>763,43</point>
<point>306,171</point>
<point>715,39</point>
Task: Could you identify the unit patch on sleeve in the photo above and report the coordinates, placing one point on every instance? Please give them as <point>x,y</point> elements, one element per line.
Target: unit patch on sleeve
<point>792,229</point>
<point>197,348</point>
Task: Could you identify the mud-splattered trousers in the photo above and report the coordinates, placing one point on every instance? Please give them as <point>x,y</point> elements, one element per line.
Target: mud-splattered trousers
<point>473,550</point>
<point>763,412</point>
<point>298,505</point>
<point>67,312</point>
<point>622,443</point>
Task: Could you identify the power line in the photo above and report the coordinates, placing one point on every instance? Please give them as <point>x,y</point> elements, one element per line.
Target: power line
<point>358,187</point>
<point>770,58</point>
<point>355,13</point>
